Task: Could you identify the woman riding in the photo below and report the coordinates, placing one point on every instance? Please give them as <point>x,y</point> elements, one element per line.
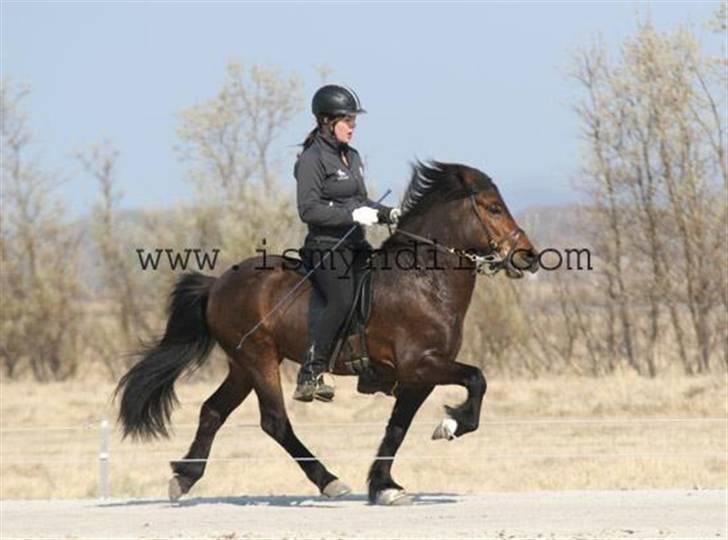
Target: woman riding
<point>332,198</point>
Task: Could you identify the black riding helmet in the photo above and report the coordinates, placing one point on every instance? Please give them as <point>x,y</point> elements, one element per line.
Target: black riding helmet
<point>333,100</point>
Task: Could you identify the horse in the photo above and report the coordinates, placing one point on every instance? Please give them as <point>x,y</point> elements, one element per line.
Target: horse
<point>414,331</point>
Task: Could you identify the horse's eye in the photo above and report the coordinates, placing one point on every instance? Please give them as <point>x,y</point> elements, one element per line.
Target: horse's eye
<point>494,209</point>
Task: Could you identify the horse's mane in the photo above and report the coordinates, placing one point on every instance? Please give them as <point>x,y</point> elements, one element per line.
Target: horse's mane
<point>436,182</point>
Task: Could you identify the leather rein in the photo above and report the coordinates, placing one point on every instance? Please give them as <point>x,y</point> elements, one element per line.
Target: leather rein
<point>489,264</point>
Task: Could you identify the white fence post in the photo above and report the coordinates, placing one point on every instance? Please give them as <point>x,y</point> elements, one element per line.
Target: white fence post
<point>104,460</point>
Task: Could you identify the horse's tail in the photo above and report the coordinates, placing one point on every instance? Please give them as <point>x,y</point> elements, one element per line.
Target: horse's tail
<point>147,390</point>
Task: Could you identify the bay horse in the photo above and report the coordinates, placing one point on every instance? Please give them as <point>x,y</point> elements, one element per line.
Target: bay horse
<point>414,332</point>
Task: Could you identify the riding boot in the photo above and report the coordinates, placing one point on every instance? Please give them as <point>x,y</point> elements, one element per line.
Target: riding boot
<point>310,383</point>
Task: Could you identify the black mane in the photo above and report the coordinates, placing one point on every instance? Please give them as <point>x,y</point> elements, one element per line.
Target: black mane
<point>436,182</point>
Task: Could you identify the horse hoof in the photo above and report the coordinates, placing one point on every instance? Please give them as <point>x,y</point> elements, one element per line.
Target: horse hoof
<point>336,488</point>
<point>176,490</point>
<point>445,430</point>
<point>393,497</point>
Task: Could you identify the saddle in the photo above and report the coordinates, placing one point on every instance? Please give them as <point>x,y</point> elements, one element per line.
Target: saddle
<point>349,351</point>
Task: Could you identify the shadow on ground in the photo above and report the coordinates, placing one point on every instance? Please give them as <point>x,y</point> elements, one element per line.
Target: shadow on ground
<point>420,499</point>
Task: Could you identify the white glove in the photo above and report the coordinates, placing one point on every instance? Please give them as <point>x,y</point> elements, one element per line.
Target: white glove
<point>365,215</point>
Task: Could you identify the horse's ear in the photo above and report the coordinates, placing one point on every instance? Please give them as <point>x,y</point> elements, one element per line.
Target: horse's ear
<point>467,176</point>
<point>474,180</point>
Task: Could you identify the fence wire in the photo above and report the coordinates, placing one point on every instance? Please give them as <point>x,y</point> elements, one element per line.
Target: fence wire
<point>420,423</point>
<point>624,436</point>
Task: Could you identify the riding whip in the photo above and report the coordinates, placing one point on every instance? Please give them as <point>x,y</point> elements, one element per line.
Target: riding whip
<point>303,279</point>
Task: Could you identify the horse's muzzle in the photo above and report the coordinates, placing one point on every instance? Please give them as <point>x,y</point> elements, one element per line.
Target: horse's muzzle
<point>522,260</point>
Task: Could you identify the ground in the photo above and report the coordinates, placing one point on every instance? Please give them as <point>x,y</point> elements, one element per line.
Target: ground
<point>563,515</point>
<point>565,457</point>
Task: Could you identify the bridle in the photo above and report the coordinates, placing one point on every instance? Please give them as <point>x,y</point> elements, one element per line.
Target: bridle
<point>487,264</point>
<point>493,244</point>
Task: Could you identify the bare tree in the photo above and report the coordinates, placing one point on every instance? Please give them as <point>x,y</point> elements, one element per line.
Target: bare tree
<point>121,289</point>
<point>602,169</point>
<point>40,286</point>
<point>655,171</point>
<point>228,140</point>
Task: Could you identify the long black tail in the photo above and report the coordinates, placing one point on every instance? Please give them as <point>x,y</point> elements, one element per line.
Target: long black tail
<point>147,390</point>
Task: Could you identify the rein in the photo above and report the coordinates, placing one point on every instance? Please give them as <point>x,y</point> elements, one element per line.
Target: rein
<point>489,264</point>
<point>479,260</point>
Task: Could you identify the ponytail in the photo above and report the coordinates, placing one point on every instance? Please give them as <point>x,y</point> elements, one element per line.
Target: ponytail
<point>310,138</point>
<point>321,122</point>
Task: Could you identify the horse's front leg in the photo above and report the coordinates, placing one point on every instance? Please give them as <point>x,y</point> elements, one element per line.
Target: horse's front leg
<point>382,488</point>
<point>465,417</point>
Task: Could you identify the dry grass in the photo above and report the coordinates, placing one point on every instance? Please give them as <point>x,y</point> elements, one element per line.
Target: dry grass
<point>522,444</point>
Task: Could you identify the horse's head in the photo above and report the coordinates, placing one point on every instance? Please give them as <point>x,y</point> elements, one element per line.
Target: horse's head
<point>466,207</point>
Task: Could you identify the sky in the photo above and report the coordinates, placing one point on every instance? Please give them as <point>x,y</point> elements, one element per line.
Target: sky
<point>485,84</point>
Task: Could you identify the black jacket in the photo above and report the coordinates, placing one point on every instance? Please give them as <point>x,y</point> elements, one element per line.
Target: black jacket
<point>328,190</point>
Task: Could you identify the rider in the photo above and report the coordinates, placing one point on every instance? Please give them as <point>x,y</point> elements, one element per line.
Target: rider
<point>331,199</point>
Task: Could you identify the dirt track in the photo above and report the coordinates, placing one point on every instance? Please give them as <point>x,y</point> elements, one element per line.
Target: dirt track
<point>572,514</point>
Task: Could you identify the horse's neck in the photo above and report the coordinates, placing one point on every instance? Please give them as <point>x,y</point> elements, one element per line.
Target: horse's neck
<point>452,278</point>
<point>438,225</point>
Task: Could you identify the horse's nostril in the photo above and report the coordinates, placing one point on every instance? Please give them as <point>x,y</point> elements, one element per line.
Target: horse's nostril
<point>526,259</point>
<point>522,259</point>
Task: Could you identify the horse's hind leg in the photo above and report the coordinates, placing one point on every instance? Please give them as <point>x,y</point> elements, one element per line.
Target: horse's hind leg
<point>274,421</point>
<point>382,488</point>
<point>231,393</point>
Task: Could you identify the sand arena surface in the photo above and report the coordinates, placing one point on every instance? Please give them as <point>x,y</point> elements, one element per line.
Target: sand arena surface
<point>566,514</point>
<point>617,457</point>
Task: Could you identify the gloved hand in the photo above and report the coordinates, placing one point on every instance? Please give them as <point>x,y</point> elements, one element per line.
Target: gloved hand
<point>388,215</point>
<point>365,215</point>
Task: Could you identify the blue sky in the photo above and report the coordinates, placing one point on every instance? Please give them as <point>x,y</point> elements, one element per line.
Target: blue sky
<point>480,83</point>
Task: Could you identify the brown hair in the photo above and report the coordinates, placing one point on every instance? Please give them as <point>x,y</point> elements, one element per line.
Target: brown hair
<point>308,141</point>
<point>321,121</point>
